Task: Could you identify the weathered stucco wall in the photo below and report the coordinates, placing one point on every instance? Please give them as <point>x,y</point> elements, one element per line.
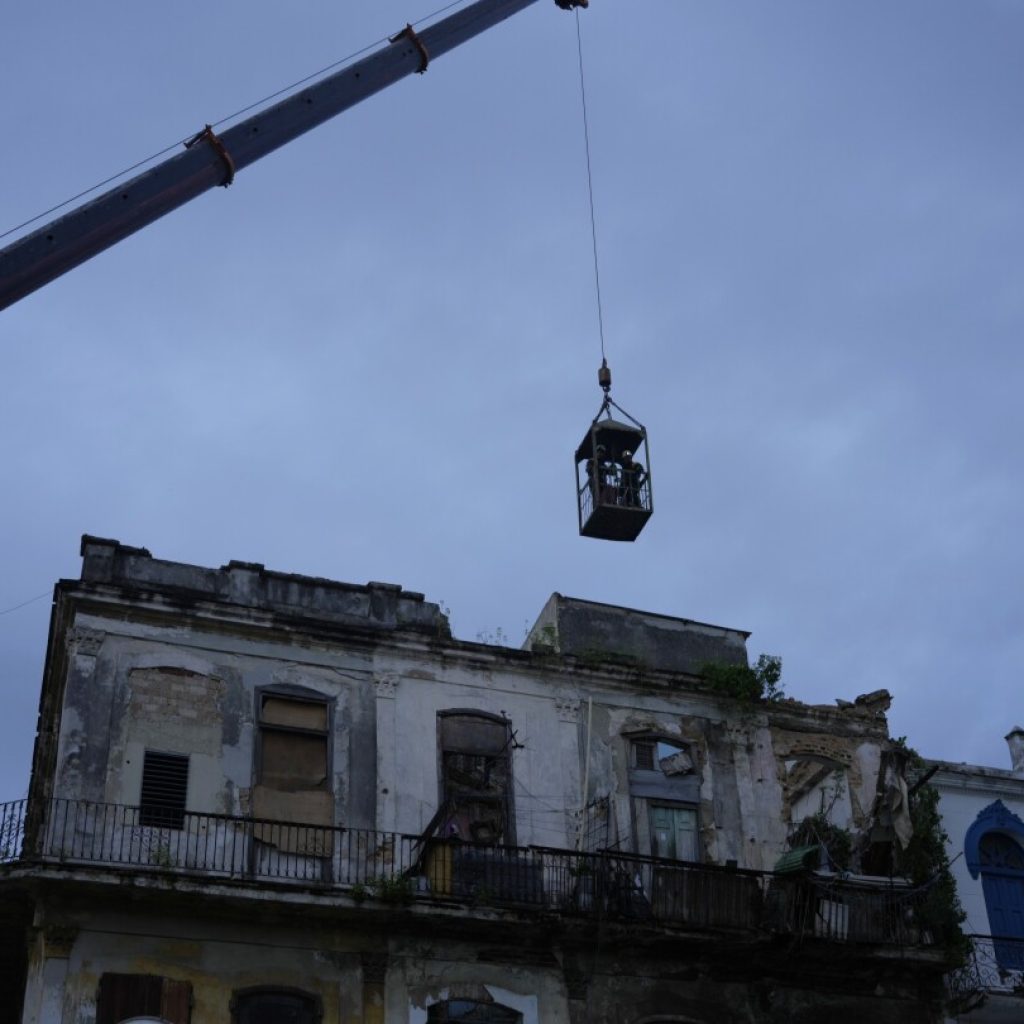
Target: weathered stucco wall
<point>217,958</point>
<point>172,658</point>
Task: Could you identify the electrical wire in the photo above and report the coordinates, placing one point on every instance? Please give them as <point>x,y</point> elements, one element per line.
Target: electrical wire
<point>31,600</point>
<point>224,120</point>
<point>590,184</point>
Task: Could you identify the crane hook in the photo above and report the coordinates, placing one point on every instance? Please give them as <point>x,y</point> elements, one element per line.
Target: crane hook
<point>604,376</point>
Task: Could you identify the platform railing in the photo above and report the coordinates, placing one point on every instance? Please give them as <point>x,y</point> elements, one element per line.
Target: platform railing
<point>396,868</point>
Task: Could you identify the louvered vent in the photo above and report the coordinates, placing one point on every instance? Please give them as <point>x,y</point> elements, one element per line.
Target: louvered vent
<point>164,789</point>
<point>643,754</point>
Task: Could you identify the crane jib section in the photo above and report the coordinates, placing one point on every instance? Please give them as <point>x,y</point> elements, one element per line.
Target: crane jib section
<point>209,159</point>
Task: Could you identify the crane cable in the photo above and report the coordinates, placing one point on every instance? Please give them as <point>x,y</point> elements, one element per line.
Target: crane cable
<point>229,117</point>
<point>590,189</point>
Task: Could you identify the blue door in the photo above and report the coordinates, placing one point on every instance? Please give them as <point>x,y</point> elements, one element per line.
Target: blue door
<point>1002,880</point>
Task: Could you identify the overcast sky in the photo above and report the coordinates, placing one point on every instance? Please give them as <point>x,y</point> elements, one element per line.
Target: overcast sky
<point>372,357</point>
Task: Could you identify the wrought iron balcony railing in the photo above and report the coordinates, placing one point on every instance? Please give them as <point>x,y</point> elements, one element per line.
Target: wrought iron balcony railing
<point>397,868</point>
<point>995,964</point>
<point>12,830</point>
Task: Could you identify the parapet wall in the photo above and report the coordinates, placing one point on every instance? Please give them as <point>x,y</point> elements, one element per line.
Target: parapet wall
<point>251,585</point>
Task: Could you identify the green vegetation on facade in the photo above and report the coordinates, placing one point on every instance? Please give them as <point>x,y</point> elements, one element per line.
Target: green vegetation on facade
<point>750,683</point>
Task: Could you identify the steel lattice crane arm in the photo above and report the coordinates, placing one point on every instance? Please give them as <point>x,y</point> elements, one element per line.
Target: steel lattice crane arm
<point>210,160</point>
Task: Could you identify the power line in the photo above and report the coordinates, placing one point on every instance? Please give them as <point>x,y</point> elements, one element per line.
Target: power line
<point>31,600</point>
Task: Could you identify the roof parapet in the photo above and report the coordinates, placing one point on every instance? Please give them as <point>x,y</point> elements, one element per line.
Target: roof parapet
<point>252,585</point>
<point>584,628</point>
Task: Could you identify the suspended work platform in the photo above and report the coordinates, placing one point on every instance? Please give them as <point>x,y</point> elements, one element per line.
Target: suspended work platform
<point>613,477</point>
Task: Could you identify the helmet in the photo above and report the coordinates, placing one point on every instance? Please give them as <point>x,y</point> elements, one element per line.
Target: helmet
<point>627,454</point>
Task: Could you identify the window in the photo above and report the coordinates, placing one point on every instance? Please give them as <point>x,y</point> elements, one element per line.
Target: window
<point>293,771</point>
<point>275,1006</point>
<point>293,742</point>
<point>469,1011</point>
<point>673,832</point>
<point>164,790</point>
<point>476,773</point>
<point>665,791</point>
<point>124,996</point>
<point>661,756</point>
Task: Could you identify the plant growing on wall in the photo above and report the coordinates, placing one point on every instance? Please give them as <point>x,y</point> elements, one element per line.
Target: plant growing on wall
<point>749,683</point>
<point>925,862</point>
<point>392,890</point>
<point>818,829</point>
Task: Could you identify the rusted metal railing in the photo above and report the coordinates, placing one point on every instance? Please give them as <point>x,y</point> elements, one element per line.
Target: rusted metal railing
<point>404,868</point>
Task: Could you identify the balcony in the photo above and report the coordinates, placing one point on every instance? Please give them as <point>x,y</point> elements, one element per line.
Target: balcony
<point>993,972</point>
<point>365,865</point>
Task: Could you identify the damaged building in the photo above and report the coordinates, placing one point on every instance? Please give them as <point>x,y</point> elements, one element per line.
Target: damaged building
<point>265,797</point>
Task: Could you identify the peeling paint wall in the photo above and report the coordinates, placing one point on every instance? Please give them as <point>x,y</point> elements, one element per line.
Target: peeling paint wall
<point>216,959</point>
<point>171,658</point>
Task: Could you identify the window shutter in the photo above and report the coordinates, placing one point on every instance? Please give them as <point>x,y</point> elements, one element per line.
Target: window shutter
<point>123,996</point>
<point>164,790</point>
<point>176,1002</point>
<point>127,995</point>
<point>643,754</point>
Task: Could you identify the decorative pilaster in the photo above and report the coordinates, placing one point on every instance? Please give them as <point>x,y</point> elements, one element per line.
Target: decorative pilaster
<point>572,744</point>
<point>57,941</point>
<point>568,709</point>
<point>386,686</point>
<point>83,647</point>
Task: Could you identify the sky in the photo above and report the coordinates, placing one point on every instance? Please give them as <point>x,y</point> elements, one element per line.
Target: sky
<point>372,357</point>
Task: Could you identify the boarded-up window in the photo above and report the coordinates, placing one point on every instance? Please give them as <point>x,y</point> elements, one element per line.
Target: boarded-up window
<point>275,1006</point>
<point>293,743</point>
<point>293,773</point>
<point>164,790</point>
<point>476,776</point>
<point>123,996</point>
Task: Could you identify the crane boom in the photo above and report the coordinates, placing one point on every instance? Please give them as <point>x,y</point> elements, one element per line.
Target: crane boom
<point>209,160</point>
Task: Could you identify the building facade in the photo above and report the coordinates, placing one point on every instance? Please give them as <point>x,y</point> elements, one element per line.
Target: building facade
<point>259,797</point>
<point>983,815</point>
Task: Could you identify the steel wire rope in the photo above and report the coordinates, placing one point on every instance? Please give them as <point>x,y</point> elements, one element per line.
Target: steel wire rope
<point>230,117</point>
<point>590,184</point>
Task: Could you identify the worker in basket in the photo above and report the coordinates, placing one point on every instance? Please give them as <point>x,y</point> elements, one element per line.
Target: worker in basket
<point>631,479</point>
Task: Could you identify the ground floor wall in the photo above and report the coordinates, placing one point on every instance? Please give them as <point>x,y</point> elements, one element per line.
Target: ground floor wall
<point>210,962</point>
<point>349,976</point>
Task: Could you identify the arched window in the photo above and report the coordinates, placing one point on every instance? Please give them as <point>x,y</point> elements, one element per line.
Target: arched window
<point>469,1011</point>
<point>265,1005</point>
<point>476,776</point>
<point>994,848</point>
<point>999,851</point>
